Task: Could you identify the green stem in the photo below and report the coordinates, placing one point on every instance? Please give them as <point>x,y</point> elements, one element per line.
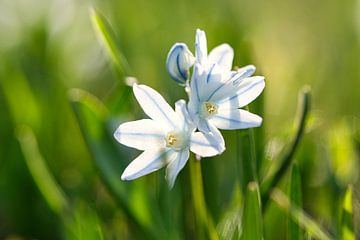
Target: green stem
<point>246,158</point>
<point>204,223</point>
<point>286,162</point>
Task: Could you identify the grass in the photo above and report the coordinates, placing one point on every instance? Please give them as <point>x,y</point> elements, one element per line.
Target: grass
<point>63,93</point>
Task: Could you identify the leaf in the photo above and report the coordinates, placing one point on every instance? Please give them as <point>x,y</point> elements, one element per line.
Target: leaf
<point>257,107</point>
<point>39,171</point>
<point>252,216</point>
<point>312,228</point>
<point>24,108</point>
<point>121,92</point>
<point>229,226</point>
<point>107,38</point>
<point>343,156</point>
<point>92,117</point>
<point>293,230</point>
<point>246,157</point>
<point>204,221</point>
<point>83,224</point>
<point>304,108</point>
<point>347,218</point>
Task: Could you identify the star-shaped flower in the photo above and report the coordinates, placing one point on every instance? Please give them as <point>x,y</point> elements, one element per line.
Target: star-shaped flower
<point>217,93</point>
<point>166,138</point>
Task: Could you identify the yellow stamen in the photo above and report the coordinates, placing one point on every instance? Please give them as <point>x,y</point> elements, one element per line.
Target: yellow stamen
<point>171,140</point>
<point>174,140</point>
<point>208,109</point>
<point>211,108</point>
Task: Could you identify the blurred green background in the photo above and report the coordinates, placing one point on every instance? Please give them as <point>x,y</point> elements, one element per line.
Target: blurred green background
<point>50,186</point>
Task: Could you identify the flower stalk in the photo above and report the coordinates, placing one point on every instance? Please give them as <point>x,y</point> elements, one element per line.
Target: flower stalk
<point>246,158</point>
<point>205,228</point>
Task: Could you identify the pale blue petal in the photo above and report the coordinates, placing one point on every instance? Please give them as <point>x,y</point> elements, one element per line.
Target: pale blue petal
<point>223,56</point>
<point>148,162</point>
<point>247,71</point>
<point>155,106</point>
<point>175,166</point>
<point>203,126</point>
<point>248,90</point>
<point>184,116</point>
<point>206,145</point>
<point>142,134</point>
<point>235,119</point>
<point>201,47</point>
<point>178,62</point>
<point>235,84</point>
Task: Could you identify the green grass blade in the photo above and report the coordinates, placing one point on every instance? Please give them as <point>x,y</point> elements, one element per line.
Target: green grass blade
<point>92,117</point>
<point>230,226</point>
<point>246,158</point>
<point>204,223</point>
<point>313,229</point>
<point>49,188</point>
<point>252,216</point>
<point>288,157</point>
<point>107,38</point>
<point>18,93</point>
<point>293,230</point>
<point>258,107</point>
<point>83,223</point>
<point>347,219</point>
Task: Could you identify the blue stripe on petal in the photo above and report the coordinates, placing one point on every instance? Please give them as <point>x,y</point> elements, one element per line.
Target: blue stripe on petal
<point>208,78</point>
<point>184,77</point>
<point>162,112</point>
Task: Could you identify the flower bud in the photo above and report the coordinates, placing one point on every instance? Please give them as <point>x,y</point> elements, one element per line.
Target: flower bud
<point>178,62</point>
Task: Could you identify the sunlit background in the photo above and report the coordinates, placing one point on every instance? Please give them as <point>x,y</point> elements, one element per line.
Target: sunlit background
<point>48,47</point>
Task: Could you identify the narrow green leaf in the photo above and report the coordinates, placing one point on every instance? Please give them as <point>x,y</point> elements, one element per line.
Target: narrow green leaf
<point>92,117</point>
<point>204,224</point>
<point>304,108</point>
<point>121,91</point>
<point>246,158</point>
<point>252,216</point>
<point>24,108</point>
<point>343,153</point>
<point>39,171</point>
<point>347,219</point>
<point>230,225</point>
<point>258,107</point>
<point>312,228</point>
<point>293,230</point>
<point>107,38</point>
<point>83,223</point>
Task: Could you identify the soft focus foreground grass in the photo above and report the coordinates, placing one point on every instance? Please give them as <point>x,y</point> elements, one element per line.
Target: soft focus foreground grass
<point>49,47</point>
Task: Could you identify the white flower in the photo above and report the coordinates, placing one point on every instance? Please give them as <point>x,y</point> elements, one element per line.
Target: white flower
<point>166,138</point>
<point>222,55</point>
<point>217,93</point>
<point>178,62</point>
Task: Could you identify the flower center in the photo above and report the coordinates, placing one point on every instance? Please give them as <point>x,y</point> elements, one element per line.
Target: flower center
<point>208,109</point>
<point>174,140</point>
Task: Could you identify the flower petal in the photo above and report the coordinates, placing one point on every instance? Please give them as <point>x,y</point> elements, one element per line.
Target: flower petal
<point>203,126</point>
<point>228,87</point>
<point>147,162</point>
<point>178,62</point>
<point>235,119</point>
<point>205,145</point>
<point>155,106</point>
<point>142,134</point>
<point>184,116</point>
<point>248,90</point>
<point>198,83</point>
<point>223,56</point>
<point>247,71</point>
<point>201,47</point>
<point>175,166</point>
